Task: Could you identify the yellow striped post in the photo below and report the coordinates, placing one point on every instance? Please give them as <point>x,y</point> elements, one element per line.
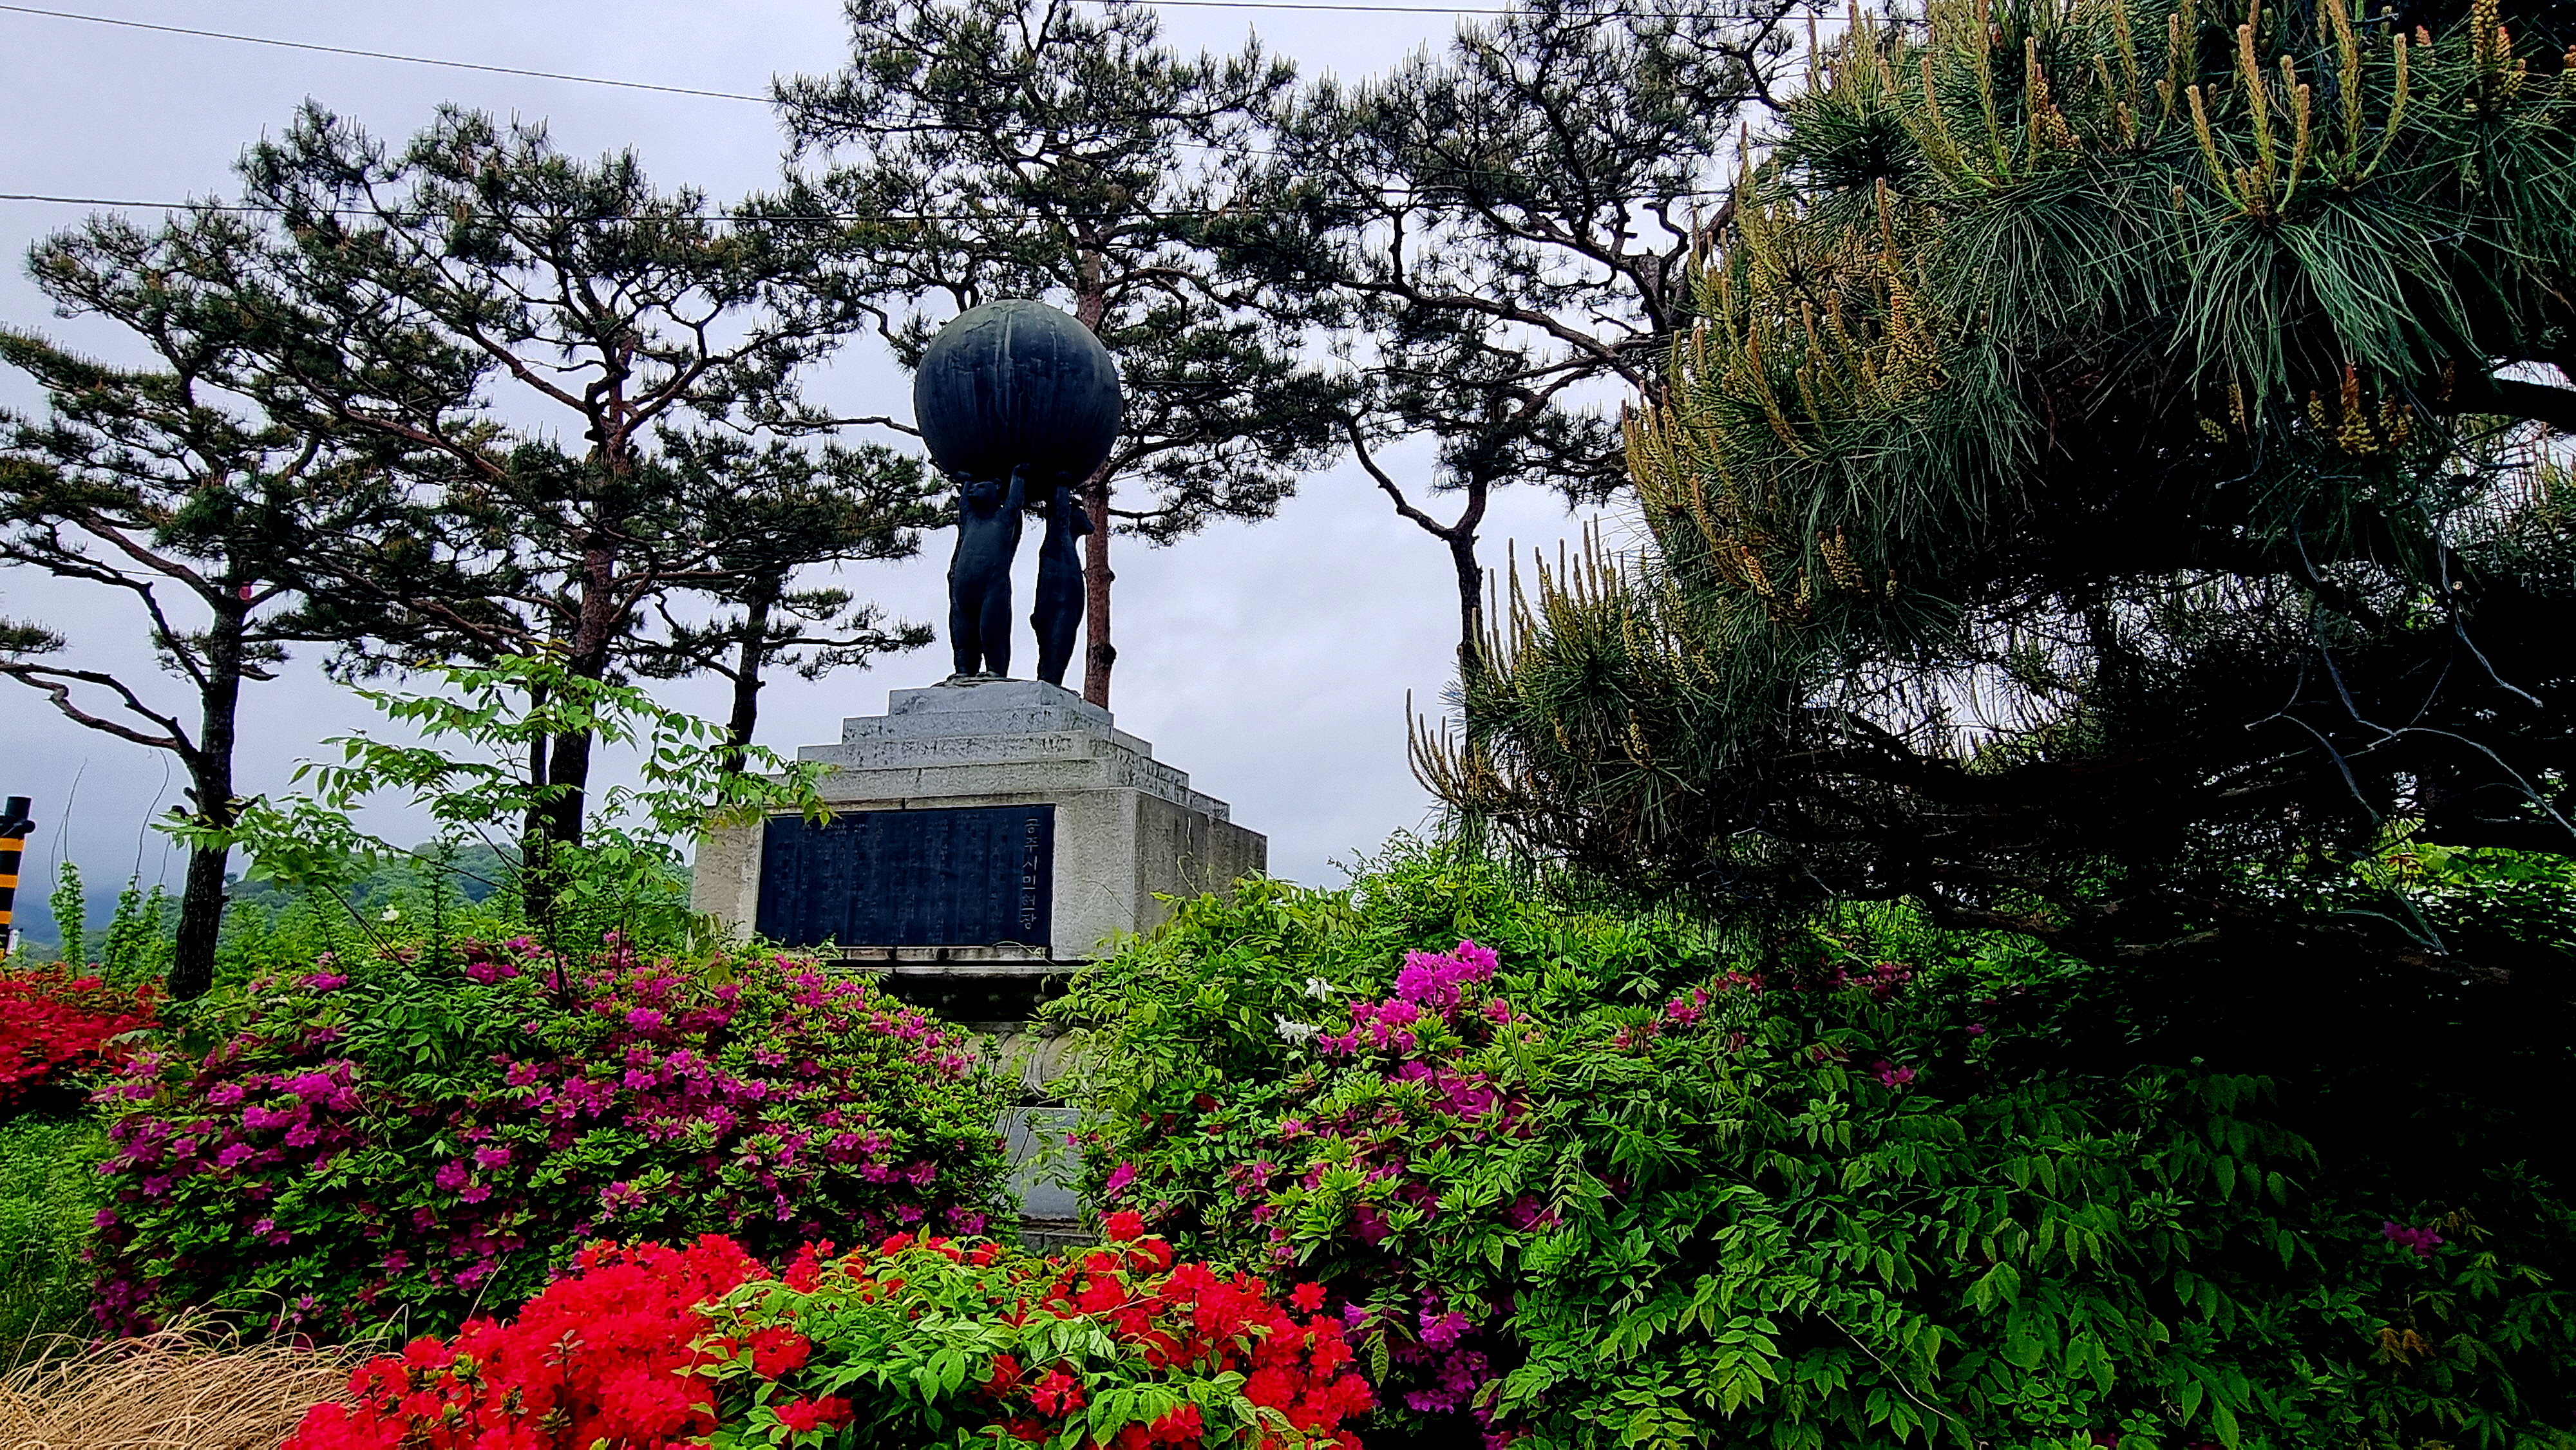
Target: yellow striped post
<point>14,826</point>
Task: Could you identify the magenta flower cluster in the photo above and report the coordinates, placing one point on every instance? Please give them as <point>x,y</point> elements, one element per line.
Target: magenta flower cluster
<point>316,1171</point>
<point>1448,1370</point>
<point>1414,1051</point>
<point>2422,1240</point>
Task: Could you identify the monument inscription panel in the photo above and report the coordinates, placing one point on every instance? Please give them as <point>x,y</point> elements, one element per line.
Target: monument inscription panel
<point>962,876</point>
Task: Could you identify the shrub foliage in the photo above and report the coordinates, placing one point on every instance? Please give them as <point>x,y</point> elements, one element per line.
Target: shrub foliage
<point>397,1139</point>
<point>49,1193</point>
<point>1823,1195</point>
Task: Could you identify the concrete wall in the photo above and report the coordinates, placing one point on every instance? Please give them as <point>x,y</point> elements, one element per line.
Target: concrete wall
<point>1127,826</point>
<point>1186,853</point>
<point>1115,851</point>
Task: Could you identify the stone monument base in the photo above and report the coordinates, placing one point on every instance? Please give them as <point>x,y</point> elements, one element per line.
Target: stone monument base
<point>987,828</point>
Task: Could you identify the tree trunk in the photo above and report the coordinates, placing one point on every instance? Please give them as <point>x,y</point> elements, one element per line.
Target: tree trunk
<point>568,766</point>
<point>536,892</point>
<point>210,773</point>
<point>1461,539</point>
<point>593,636</point>
<point>201,922</point>
<point>746,677</point>
<point>1099,655</point>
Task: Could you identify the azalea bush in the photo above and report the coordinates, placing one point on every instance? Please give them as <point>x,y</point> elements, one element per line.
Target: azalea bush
<point>1799,1189</point>
<point>58,1022</point>
<point>917,1342</point>
<point>398,1138</point>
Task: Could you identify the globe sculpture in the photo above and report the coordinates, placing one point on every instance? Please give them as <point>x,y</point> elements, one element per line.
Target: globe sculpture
<point>1017,384</point>
<point>1017,402</point>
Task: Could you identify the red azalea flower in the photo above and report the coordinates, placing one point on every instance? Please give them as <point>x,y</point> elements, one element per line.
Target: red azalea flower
<point>778,1351</point>
<point>1058,1393</point>
<point>802,1416</point>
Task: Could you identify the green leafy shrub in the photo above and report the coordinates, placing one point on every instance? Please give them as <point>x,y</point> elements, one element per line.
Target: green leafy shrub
<point>397,1138</point>
<point>626,871</point>
<point>1823,1196</point>
<point>427,899</point>
<point>49,1195</point>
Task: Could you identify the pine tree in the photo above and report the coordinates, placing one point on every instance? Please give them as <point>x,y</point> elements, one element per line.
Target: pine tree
<point>2120,475</point>
<point>779,508</point>
<point>1022,148</point>
<point>206,513</point>
<point>1512,222</point>
<point>477,268</point>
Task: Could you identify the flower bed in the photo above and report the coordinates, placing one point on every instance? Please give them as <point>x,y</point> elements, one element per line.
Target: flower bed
<point>913,1343</point>
<point>56,1024</point>
<point>399,1141</point>
<point>1838,1197</point>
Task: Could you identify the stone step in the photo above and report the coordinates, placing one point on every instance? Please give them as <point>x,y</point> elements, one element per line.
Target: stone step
<point>947,723</point>
<point>878,752</point>
<point>1011,777</point>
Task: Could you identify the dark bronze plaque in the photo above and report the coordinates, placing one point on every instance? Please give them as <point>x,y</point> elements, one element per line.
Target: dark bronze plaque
<point>968,876</point>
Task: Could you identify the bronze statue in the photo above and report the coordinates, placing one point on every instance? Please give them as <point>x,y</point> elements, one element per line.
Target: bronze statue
<point>979,574</point>
<point>1059,609</point>
<point>1015,388</point>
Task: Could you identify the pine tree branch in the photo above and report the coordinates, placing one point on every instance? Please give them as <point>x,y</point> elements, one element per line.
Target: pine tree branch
<point>2539,402</point>
<point>1403,506</point>
<point>57,682</point>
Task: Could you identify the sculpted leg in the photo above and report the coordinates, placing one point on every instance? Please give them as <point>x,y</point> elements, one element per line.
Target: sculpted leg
<point>996,626</point>
<point>979,574</point>
<point>965,642</point>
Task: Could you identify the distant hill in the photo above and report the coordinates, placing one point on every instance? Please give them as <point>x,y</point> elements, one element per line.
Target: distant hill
<point>478,871</point>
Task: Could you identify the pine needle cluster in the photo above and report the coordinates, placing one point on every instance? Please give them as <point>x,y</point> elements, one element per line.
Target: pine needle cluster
<point>2121,456</point>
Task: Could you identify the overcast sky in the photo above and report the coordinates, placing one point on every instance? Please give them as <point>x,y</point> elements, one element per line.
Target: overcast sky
<point>1270,661</point>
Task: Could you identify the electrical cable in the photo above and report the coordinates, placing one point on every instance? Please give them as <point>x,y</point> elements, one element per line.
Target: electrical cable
<point>507,70</point>
<point>549,75</point>
<point>45,199</point>
<point>1451,9</point>
<point>395,213</point>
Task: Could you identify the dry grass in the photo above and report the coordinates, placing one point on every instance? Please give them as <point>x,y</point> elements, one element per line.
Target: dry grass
<point>182,1389</point>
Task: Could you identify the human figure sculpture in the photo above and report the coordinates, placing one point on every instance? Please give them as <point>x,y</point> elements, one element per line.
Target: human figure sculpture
<point>979,574</point>
<point>1060,598</point>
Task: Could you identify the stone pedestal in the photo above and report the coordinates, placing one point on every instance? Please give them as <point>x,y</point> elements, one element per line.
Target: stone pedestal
<point>994,828</point>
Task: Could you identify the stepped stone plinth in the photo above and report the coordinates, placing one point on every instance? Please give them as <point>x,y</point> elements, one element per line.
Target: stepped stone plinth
<point>980,828</point>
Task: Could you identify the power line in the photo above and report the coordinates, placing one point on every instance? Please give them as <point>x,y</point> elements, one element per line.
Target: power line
<point>39,198</point>
<point>549,75</point>
<point>1318,5</point>
<point>1445,9</point>
<point>396,213</point>
<point>507,70</point>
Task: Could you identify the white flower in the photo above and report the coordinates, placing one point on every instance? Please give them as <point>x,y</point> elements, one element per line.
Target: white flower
<point>1294,1031</point>
<point>1318,988</point>
<point>392,915</point>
